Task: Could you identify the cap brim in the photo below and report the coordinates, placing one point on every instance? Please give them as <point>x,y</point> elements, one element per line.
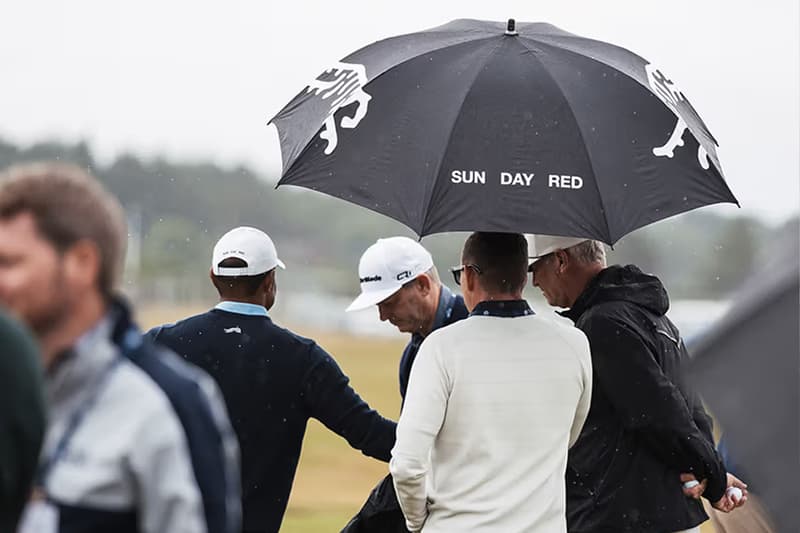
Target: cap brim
<point>280,263</point>
<point>534,259</point>
<point>367,299</point>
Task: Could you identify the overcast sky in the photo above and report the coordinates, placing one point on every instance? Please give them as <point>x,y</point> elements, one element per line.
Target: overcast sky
<point>199,80</point>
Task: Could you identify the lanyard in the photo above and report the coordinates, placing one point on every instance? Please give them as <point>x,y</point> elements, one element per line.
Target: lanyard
<point>131,342</point>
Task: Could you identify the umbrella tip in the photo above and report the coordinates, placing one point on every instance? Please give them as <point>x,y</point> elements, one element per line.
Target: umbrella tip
<point>511,28</point>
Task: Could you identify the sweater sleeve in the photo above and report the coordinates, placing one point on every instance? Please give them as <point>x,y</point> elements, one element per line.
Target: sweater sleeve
<point>584,403</point>
<point>331,400</point>
<point>420,422</point>
<point>650,403</point>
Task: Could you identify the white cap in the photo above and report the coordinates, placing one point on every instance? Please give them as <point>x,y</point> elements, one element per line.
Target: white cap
<point>540,245</point>
<point>252,246</point>
<point>386,266</point>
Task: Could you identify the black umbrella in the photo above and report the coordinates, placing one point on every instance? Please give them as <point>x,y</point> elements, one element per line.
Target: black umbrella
<point>748,369</point>
<point>486,126</point>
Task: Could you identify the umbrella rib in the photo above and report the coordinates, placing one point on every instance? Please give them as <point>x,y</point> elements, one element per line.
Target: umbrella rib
<point>621,68</point>
<point>450,134</point>
<point>580,132</point>
<point>393,66</point>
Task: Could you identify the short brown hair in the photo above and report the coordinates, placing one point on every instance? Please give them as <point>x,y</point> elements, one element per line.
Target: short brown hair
<point>68,205</point>
<point>502,259</point>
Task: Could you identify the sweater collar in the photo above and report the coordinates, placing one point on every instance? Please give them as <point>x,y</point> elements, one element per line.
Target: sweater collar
<point>242,308</point>
<point>502,308</point>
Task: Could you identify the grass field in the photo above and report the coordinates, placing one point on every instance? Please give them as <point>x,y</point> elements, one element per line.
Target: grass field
<point>333,480</point>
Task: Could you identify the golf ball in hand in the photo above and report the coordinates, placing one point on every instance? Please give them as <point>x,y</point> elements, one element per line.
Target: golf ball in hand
<point>735,493</point>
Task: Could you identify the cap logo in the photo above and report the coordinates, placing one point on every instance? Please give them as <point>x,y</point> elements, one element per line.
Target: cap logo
<point>404,275</point>
<point>370,278</point>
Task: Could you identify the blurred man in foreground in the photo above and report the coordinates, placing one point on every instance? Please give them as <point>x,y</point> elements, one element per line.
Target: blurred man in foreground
<point>273,380</point>
<point>493,403</point>
<point>646,432</point>
<point>136,442</point>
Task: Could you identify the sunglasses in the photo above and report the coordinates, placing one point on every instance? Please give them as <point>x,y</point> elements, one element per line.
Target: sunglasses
<point>459,269</point>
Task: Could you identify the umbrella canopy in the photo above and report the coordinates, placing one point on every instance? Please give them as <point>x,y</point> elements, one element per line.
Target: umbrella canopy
<point>488,126</point>
<point>748,369</point>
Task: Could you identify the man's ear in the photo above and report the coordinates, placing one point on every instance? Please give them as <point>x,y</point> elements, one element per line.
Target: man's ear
<point>424,283</point>
<point>82,264</point>
<point>562,260</point>
<point>469,278</point>
<point>269,281</point>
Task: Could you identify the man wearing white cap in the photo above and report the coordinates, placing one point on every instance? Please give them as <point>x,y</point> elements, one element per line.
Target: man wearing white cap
<point>273,380</point>
<point>397,275</point>
<point>645,428</point>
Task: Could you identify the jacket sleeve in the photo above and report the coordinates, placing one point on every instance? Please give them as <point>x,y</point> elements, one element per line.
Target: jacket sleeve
<point>650,403</point>
<point>169,497</point>
<point>330,399</point>
<point>701,418</point>
<point>212,444</point>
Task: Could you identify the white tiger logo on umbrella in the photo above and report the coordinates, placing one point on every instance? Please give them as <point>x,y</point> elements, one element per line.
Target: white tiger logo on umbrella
<point>343,83</point>
<point>667,92</point>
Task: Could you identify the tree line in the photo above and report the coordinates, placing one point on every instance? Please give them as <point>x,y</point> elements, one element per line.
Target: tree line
<point>177,210</point>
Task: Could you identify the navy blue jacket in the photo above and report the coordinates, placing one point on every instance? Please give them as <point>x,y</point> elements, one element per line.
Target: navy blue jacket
<point>451,309</point>
<point>273,381</point>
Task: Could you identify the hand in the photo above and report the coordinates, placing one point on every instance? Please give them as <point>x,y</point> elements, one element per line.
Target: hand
<point>694,490</point>
<point>734,481</point>
<point>730,500</point>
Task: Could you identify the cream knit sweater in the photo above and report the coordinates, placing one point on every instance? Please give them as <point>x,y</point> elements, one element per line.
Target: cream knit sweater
<point>493,405</point>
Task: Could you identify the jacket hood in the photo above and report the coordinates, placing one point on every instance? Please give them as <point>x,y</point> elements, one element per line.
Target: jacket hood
<point>622,283</point>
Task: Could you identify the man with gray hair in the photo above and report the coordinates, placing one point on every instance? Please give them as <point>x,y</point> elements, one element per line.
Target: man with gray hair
<point>646,432</point>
